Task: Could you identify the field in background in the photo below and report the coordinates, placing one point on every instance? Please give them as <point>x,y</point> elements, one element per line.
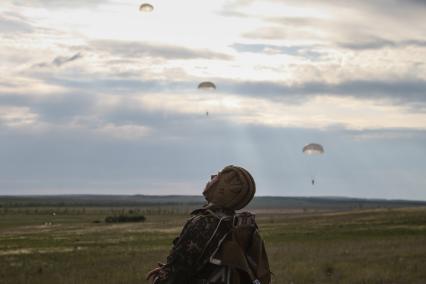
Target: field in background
<point>65,243</point>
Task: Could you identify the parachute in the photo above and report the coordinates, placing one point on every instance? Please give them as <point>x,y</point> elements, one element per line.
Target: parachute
<point>313,149</point>
<point>146,7</point>
<point>206,85</point>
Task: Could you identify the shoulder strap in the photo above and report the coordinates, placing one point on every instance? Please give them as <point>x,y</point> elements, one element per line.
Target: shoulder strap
<point>242,248</point>
<point>218,234</point>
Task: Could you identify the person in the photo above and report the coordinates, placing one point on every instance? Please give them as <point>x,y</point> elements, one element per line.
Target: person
<point>218,245</point>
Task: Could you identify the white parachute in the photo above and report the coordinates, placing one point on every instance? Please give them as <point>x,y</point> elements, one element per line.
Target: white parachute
<point>146,7</point>
<point>313,149</point>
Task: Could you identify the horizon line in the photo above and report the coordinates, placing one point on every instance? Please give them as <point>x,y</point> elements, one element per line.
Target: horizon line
<point>191,195</point>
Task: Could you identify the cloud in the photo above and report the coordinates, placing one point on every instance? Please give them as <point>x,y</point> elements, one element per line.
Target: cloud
<point>52,105</point>
<point>358,25</point>
<point>116,84</point>
<point>124,131</point>
<point>60,60</point>
<point>397,91</point>
<point>418,2</point>
<point>12,23</point>
<point>382,43</point>
<point>135,50</point>
<point>122,116</point>
<point>127,115</point>
<point>94,104</point>
<point>12,116</point>
<point>49,4</point>
<point>387,134</point>
<point>269,33</point>
<point>337,33</point>
<point>306,51</point>
<point>78,160</point>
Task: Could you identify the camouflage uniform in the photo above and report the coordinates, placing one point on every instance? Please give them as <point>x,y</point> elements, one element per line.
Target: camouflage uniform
<point>216,245</point>
<point>194,256</point>
<point>199,237</point>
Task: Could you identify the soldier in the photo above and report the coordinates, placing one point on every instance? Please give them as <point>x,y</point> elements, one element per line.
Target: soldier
<point>218,245</point>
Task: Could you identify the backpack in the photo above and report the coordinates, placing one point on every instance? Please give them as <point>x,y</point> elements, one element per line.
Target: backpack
<point>240,255</point>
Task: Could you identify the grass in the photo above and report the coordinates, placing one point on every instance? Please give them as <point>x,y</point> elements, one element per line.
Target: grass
<point>362,246</point>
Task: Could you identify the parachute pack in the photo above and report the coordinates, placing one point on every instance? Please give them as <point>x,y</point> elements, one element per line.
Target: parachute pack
<point>240,255</point>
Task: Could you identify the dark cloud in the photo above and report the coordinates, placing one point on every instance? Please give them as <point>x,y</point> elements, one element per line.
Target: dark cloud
<point>65,107</point>
<point>418,2</point>
<point>410,92</point>
<point>398,9</point>
<point>10,99</point>
<point>138,49</point>
<point>85,110</point>
<point>60,60</point>
<point>56,108</point>
<point>359,37</point>
<point>119,86</point>
<point>371,44</point>
<point>381,43</point>
<point>11,23</point>
<point>386,135</point>
<point>348,32</point>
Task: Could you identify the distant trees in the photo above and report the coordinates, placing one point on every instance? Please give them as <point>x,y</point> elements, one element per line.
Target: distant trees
<point>125,218</point>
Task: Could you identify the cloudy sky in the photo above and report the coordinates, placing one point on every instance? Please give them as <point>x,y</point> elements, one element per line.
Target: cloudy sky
<point>98,97</point>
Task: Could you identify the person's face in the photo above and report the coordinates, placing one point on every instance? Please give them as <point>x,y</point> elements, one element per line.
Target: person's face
<point>210,184</point>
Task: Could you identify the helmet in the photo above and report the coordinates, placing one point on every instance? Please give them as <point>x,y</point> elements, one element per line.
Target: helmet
<point>234,188</point>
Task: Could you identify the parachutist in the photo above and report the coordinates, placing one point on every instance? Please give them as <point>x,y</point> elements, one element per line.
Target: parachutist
<point>216,242</point>
<point>313,149</point>
<point>207,86</point>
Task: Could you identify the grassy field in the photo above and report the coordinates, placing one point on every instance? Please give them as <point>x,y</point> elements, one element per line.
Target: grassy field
<point>64,245</point>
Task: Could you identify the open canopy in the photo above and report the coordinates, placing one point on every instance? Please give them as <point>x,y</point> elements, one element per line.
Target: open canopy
<point>313,149</point>
<point>146,7</point>
<point>206,85</point>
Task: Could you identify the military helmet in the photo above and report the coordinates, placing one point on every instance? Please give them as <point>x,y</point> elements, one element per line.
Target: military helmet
<point>234,189</point>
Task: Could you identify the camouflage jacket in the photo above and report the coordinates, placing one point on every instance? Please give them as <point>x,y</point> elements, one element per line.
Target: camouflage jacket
<point>188,259</point>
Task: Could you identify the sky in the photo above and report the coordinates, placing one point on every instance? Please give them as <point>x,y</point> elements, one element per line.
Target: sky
<point>97,97</point>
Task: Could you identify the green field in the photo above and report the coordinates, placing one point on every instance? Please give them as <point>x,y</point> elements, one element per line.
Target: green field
<point>64,245</point>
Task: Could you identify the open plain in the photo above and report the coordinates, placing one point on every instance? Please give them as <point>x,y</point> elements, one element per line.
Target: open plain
<point>73,244</point>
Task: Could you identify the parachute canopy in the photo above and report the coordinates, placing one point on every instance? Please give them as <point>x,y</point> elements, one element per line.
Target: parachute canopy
<point>313,149</point>
<point>206,85</point>
<point>146,7</point>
